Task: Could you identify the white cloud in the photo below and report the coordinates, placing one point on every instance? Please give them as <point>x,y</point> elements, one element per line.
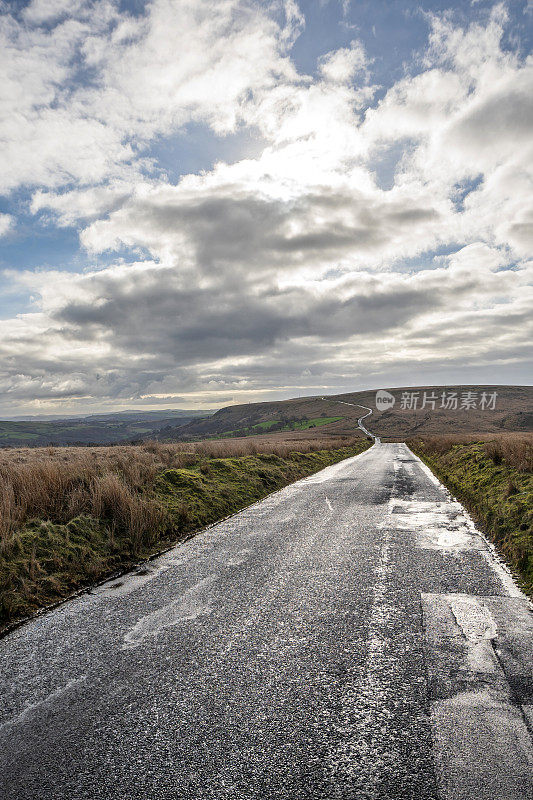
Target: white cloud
<point>295,256</point>
<point>7,222</point>
<point>192,61</point>
<point>343,64</point>
<point>42,11</point>
<point>81,204</point>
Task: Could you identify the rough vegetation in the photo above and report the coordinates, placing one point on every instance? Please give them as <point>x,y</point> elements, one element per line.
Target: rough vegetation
<point>494,479</point>
<point>426,412</point>
<point>70,516</point>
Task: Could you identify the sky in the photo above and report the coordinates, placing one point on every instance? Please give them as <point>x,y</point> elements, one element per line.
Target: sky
<point>205,202</point>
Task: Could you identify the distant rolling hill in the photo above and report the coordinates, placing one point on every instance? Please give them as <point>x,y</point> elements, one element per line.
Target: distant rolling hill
<point>312,416</point>
<point>95,429</point>
<point>306,417</point>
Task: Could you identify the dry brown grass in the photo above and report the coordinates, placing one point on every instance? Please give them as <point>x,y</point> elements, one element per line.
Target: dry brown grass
<point>72,516</point>
<point>112,483</point>
<point>513,449</point>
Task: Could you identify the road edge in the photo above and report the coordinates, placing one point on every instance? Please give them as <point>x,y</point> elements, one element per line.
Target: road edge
<point>133,567</point>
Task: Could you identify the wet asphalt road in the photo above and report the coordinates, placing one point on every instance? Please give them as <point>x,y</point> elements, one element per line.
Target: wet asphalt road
<point>348,637</point>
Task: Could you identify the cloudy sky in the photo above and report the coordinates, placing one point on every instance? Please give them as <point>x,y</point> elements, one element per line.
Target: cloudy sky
<point>214,201</point>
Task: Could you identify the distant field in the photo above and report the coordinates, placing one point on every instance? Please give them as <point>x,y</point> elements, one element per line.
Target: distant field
<point>279,426</point>
<point>493,477</point>
<point>96,429</point>
<point>296,418</point>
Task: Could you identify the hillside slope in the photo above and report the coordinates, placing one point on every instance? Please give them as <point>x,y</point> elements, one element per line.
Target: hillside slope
<point>512,412</point>
<point>94,429</point>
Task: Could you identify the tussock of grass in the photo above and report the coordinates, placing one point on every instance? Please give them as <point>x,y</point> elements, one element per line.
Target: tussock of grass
<point>495,481</point>
<point>71,517</point>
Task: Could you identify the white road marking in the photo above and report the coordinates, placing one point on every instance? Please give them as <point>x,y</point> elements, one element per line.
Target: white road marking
<point>328,473</point>
<point>191,604</point>
<point>43,704</point>
<point>360,709</point>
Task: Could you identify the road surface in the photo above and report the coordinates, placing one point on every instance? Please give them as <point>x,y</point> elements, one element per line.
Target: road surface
<point>360,424</point>
<point>351,636</point>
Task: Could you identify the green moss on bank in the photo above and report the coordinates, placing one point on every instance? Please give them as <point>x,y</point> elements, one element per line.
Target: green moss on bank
<point>220,486</point>
<point>46,561</point>
<point>499,497</point>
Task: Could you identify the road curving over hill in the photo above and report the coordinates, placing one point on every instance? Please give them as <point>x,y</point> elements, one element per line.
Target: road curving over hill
<point>360,424</point>
<point>351,636</point>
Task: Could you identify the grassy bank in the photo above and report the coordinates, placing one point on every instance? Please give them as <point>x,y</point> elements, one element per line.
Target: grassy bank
<point>69,518</point>
<point>494,479</point>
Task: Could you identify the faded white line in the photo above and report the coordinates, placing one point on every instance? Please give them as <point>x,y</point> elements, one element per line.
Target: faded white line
<point>331,472</point>
<point>426,470</point>
<point>193,603</point>
<point>47,701</point>
<point>362,709</point>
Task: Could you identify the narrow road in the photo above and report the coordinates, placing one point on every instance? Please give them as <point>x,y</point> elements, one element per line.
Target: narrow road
<point>360,425</point>
<point>351,636</point>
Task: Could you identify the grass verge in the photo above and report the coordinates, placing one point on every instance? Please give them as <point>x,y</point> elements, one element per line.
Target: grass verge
<point>123,516</point>
<point>494,480</point>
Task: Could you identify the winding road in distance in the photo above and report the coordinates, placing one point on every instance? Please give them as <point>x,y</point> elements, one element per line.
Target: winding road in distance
<point>351,636</point>
<point>360,425</point>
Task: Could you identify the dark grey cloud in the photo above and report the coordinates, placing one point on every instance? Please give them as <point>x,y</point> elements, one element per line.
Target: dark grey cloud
<point>277,270</point>
<point>156,333</point>
<point>230,229</point>
<point>502,119</point>
<point>161,319</point>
